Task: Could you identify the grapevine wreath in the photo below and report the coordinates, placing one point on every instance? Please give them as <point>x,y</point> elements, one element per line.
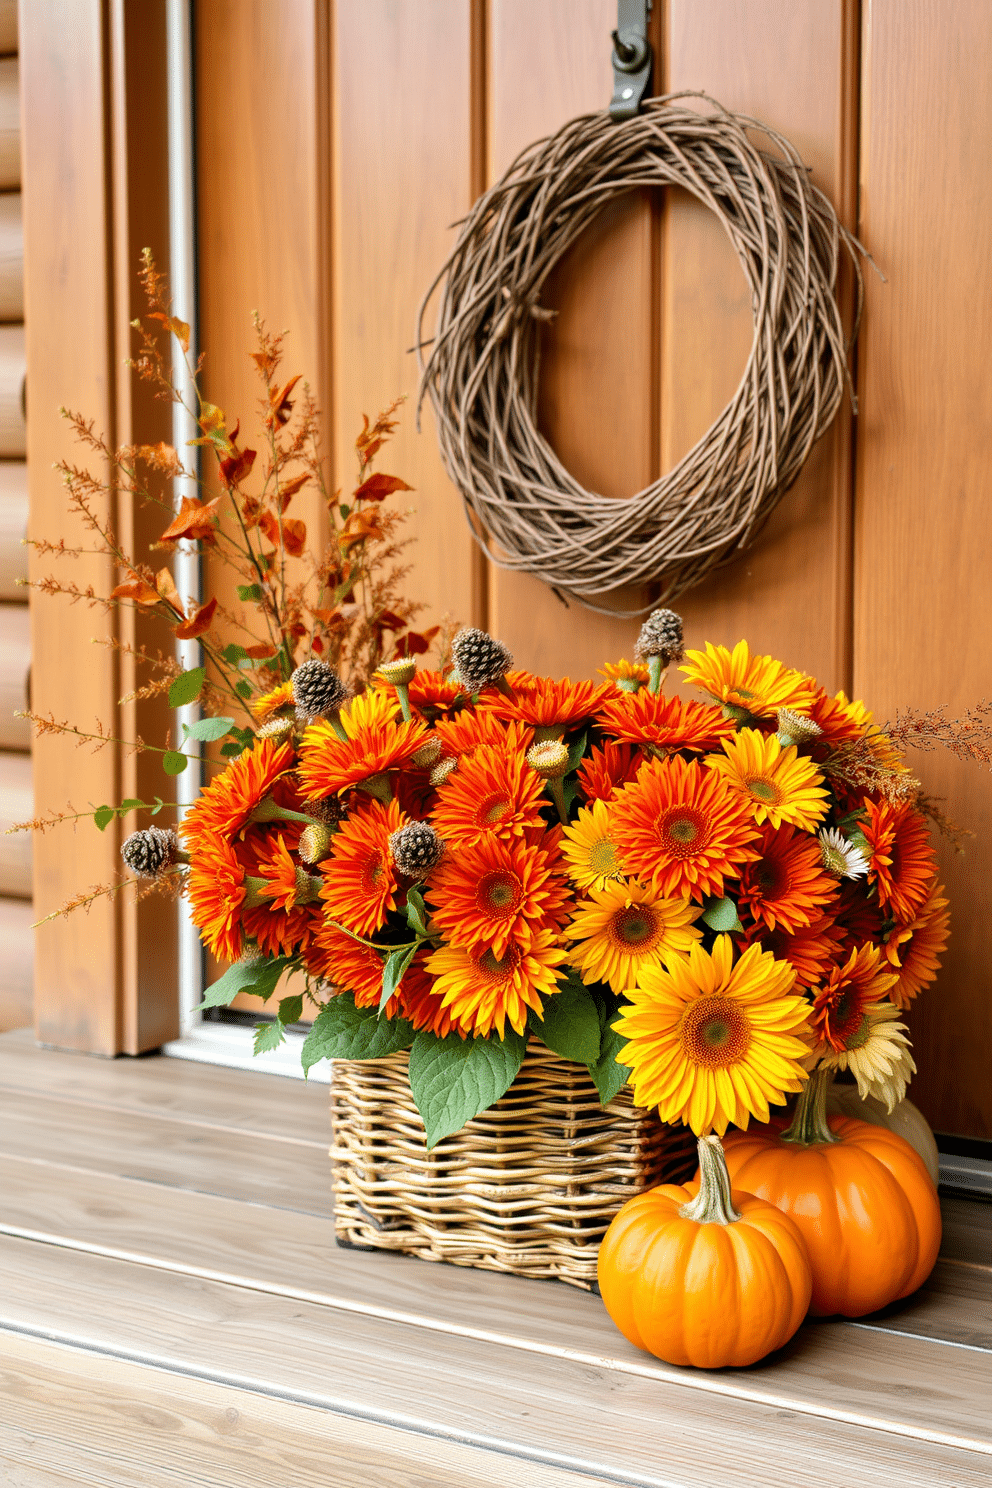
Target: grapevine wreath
<point>482,370</point>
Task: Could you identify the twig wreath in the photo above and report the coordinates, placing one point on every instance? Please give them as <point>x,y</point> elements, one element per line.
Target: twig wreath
<point>483,368</point>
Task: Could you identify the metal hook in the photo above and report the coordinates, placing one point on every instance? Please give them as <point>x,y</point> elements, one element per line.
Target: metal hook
<point>632,58</point>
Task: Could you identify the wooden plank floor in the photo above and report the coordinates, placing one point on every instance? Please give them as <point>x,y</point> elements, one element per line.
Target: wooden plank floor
<point>173,1310</point>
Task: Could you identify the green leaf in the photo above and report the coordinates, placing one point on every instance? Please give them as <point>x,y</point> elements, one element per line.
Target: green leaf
<point>253,592</point>
<point>174,763</point>
<point>609,1076</point>
<point>232,654</point>
<point>209,729</point>
<point>721,914</point>
<point>416,912</point>
<point>159,803</point>
<point>344,510</point>
<point>454,1079</point>
<point>129,805</point>
<point>268,1036</point>
<point>342,1031</point>
<point>103,816</point>
<point>860,841</point>
<point>576,750</point>
<point>571,1023</point>
<point>291,1009</point>
<point>243,689</point>
<point>231,750</point>
<point>186,689</point>
<point>392,972</point>
<point>257,978</point>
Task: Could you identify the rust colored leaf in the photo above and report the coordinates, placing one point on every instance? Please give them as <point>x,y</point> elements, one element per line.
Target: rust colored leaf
<point>195,520</point>
<point>261,652</point>
<point>288,489</point>
<point>198,623</point>
<point>377,487</point>
<point>180,330</point>
<point>415,642</point>
<point>235,467</point>
<point>166,586</point>
<point>137,590</point>
<point>251,511</point>
<point>280,407</point>
<point>294,536</point>
<point>268,523</point>
<point>386,620</point>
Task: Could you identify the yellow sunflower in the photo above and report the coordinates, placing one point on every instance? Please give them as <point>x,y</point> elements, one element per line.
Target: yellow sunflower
<point>270,703</point>
<point>627,928</point>
<point>589,850</point>
<point>758,685</point>
<point>711,1042</point>
<point>780,785</point>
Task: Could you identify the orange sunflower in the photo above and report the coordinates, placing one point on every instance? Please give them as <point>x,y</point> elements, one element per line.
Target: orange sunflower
<point>431,690</point>
<point>913,950</point>
<point>902,862</point>
<point>680,829</point>
<point>281,932</point>
<point>811,951</point>
<point>360,878</point>
<point>668,723</point>
<point>858,918</point>
<point>222,808</point>
<point>840,1005</point>
<point>780,785</point>
<point>493,793</point>
<point>376,742</point>
<point>545,702</point>
<point>606,768</point>
<point>624,928</point>
<point>484,991</point>
<point>349,966</point>
<point>494,893</point>
<point>756,685</point>
<point>787,885</point>
<point>421,1004</point>
<point>474,727</point>
<point>215,889</point>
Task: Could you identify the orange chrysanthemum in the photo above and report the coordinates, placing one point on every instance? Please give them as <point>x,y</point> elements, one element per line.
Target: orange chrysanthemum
<point>835,718</point>
<point>375,742</point>
<point>858,918</point>
<point>624,671</point>
<point>546,702</point>
<point>811,951</point>
<point>667,722</point>
<point>493,793</point>
<point>485,991</point>
<point>474,727</point>
<point>902,862</point>
<point>680,829</point>
<point>215,889</point>
<point>335,957</point>
<point>280,932</point>
<point>787,885</point>
<point>603,770</point>
<point>265,707</point>
<point>780,785</point>
<point>913,950</point>
<point>222,808</point>
<point>422,1005</point>
<point>757,685</point>
<point>360,878</point>
<point>839,1008</point>
<point>431,690</point>
<point>495,893</point>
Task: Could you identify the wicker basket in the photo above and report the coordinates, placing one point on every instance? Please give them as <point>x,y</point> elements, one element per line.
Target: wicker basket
<point>529,1187</point>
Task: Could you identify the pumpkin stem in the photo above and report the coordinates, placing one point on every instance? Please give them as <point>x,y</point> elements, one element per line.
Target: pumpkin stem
<point>809,1124</point>
<point>713,1203</point>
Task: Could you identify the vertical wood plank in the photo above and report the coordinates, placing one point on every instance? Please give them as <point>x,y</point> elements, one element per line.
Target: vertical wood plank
<point>598,401</point>
<point>793,65</point>
<point>406,143</point>
<point>923,538</point>
<point>68,306</point>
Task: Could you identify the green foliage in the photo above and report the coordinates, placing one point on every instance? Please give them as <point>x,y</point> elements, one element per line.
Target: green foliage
<point>257,978</point>
<point>291,1009</point>
<point>609,1076</point>
<point>208,729</point>
<point>174,763</point>
<point>416,912</point>
<point>454,1079</point>
<point>253,593</point>
<point>186,689</point>
<point>721,915</point>
<point>571,1023</point>
<point>342,1031</point>
<point>393,971</point>
<point>268,1036</point>
<point>103,816</point>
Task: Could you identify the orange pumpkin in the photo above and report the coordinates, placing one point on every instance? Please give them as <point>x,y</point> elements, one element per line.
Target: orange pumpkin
<point>861,1196</point>
<point>702,1275</point>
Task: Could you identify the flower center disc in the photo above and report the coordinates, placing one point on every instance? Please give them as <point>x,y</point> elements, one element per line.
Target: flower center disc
<point>635,926</point>
<point>374,868</point>
<point>603,857</point>
<point>499,968</point>
<point>494,809</point>
<point>498,895</point>
<point>680,830</point>
<point>715,1032</point>
<point>769,878</point>
<point>764,790</point>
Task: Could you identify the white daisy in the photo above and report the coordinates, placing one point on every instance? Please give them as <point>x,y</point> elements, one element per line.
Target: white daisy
<point>840,857</point>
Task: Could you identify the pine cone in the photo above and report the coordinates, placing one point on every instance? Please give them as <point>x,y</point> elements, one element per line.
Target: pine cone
<point>150,852</point>
<point>661,635</point>
<point>317,690</point>
<point>416,849</point>
<point>479,660</point>
<point>330,811</point>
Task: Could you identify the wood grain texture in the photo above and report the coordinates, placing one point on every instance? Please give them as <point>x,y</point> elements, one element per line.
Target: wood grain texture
<point>792,64</point>
<point>16,964</point>
<point>68,306</point>
<point>924,542</point>
<point>10,125</point>
<point>11,257</point>
<point>13,366</point>
<point>13,530</point>
<point>403,174</point>
<point>597,402</point>
<point>16,805</point>
<point>15,671</point>
<point>105,1422</point>
<point>8,26</point>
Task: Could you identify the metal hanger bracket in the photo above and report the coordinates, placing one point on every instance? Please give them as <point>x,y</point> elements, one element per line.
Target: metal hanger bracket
<point>632,58</point>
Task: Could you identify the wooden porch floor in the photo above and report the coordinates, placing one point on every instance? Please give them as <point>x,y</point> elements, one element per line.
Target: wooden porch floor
<point>174,1311</point>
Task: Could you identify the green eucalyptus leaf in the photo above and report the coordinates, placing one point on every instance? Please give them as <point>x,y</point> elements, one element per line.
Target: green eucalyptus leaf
<point>208,729</point>
<point>103,816</point>
<point>232,749</point>
<point>251,592</point>
<point>187,687</point>
<point>343,1031</point>
<point>721,915</point>
<point>174,763</point>
<point>453,1079</point>
<point>129,805</point>
<point>243,689</point>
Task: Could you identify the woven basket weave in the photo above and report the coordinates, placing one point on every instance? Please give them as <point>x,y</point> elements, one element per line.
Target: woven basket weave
<point>528,1187</point>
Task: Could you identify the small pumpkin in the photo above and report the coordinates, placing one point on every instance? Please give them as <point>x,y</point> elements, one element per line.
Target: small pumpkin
<point>702,1275</point>
<point>905,1119</point>
<point>861,1196</point>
